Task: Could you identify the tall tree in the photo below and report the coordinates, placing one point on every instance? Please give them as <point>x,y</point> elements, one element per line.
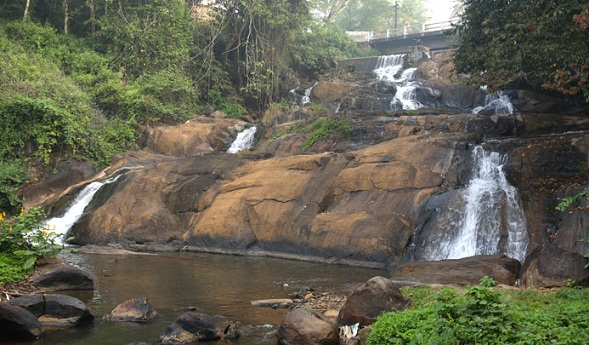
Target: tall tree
<point>533,43</point>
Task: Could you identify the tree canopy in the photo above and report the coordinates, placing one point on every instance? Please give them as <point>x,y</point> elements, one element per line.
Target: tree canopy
<point>532,43</point>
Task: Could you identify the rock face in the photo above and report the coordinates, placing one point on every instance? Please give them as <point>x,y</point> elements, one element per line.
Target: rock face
<point>62,277</point>
<point>18,323</point>
<point>133,310</point>
<point>304,326</point>
<point>467,271</point>
<point>549,266</point>
<point>189,328</point>
<point>59,311</point>
<point>370,300</point>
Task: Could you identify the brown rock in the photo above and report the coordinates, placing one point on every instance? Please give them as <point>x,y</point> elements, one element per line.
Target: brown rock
<point>133,310</point>
<point>60,276</point>
<point>370,300</point>
<point>53,310</point>
<point>18,323</point>
<point>304,326</point>
<point>467,271</point>
<point>550,266</point>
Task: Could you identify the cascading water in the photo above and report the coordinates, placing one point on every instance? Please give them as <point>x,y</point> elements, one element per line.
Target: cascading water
<point>390,69</point>
<point>488,205</point>
<point>303,99</point>
<point>61,225</point>
<point>495,103</point>
<point>244,140</point>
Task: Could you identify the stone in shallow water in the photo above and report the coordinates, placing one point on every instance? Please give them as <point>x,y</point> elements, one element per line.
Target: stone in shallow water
<point>133,310</point>
<point>306,326</point>
<point>63,277</point>
<point>190,327</point>
<point>18,323</point>
<point>54,310</point>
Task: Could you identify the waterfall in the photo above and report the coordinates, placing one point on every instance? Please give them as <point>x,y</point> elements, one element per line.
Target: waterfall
<point>61,225</point>
<point>244,141</point>
<point>390,69</point>
<point>489,204</point>
<point>495,103</point>
<point>303,99</point>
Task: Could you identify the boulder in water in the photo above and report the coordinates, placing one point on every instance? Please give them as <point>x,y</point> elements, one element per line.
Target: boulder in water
<point>190,327</point>
<point>466,271</point>
<point>52,310</point>
<point>133,310</point>
<point>62,277</point>
<point>306,326</point>
<point>18,323</point>
<point>369,300</point>
<point>550,266</point>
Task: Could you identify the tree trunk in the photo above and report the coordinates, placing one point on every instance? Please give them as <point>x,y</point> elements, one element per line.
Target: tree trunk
<point>27,10</point>
<point>65,17</point>
<point>337,8</point>
<point>92,16</point>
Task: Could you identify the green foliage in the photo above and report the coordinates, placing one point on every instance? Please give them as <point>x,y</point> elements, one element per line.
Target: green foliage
<point>23,240</point>
<point>540,43</point>
<point>379,15</point>
<point>478,315</point>
<point>570,200</point>
<point>295,128</point>
<point>233,110</point>
<point>12,176</point>
<point>487,282</point>
<point>323,128</point>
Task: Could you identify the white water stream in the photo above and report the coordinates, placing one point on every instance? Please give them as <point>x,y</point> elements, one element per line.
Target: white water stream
<point>489,204</point>
<point>245,140</point>
<point>61,225</point>
<point>390,69</point>
<point>495,103</point>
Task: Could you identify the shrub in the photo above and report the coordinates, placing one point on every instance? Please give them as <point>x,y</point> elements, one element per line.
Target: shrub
<point>23,240</point>
<point>323,128</point>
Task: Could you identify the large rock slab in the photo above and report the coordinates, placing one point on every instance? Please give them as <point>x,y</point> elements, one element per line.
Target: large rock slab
<point>370,300</point>
<point>467,271</point>
<point>53,310</point>
<point>550,266</point>
<point>18,323</point>
<point>304,326</point>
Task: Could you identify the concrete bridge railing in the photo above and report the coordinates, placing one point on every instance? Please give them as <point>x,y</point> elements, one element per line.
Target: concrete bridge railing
<point>403,32</point>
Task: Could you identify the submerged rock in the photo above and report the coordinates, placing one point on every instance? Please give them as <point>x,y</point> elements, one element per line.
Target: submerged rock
<point>133,310</point>
<point>190,327</point>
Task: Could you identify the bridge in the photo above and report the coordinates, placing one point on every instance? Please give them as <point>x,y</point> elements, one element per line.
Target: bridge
<point>435,36</point>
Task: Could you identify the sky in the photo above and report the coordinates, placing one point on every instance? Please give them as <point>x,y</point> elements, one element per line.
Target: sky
<point>439,10</point>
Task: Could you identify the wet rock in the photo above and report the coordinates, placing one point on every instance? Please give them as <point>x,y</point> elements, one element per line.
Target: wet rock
<point>369,300</point>
<point>190,327</point>
<point>62,277</point>
<point>133,310</point>
<point>273,303</point>
<point>230,332</point>
<point>53,310</point>
<point>18,323</point>
<point>467,271</point>
<point>304,326</point>
<point>550,266</point>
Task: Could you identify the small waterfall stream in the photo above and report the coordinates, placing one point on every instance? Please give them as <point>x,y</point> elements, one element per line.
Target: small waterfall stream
<point>75,210</point>
<point>495,103</point>
<point>244,141</point>
<point>488,208</point>
<point>390,69</point>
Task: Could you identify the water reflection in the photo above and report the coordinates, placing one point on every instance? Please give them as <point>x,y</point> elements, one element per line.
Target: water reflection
<point>221,286</point>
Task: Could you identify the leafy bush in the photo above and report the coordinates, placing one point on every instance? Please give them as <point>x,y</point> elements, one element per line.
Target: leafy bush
<point>233,110</point>
<point>23,240</point>
<point>478,315</point>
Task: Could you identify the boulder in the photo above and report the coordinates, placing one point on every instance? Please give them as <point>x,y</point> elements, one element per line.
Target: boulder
<point>133,310</point>
<point>274,303</point>
<point>190,327</point>
<point>60,276</point>
<point>305,326</point>
<point>18,323</point>
<point>369,300</point>
<point>466,271</point>
<point>52,310</point>
<point>550,266</point>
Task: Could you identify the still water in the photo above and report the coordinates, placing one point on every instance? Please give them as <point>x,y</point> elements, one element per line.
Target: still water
<point>219,285</point>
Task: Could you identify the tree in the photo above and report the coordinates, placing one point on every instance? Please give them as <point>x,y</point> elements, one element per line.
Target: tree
<point>523,43</point>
